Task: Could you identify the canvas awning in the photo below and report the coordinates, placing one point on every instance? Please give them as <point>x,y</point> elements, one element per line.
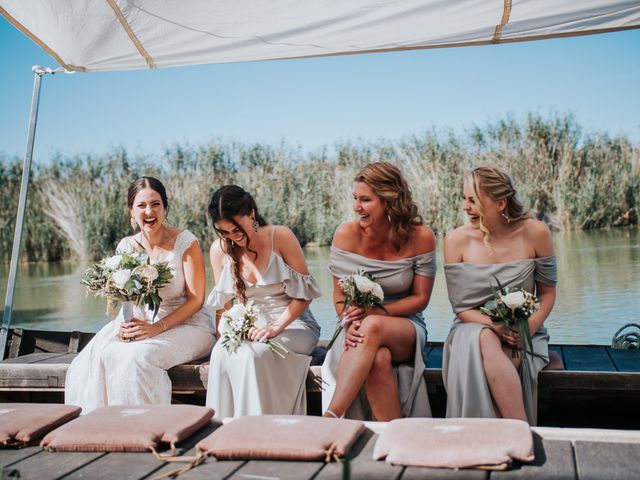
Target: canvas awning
<point>103,35</point>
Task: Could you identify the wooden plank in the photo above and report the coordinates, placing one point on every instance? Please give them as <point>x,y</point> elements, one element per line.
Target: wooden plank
<point>268,469</point>
<point>53,465</point>
<point>587,358</point>
<point>32,376</point>
<point>589,381</point>
<point>361,466</point>
<point>613,461</point>
<point>32,358</point>
<point>9,456</point>
<point>625,360</point>
<point>434,359</point>
<point>554,459</point>
<point>416,473</point>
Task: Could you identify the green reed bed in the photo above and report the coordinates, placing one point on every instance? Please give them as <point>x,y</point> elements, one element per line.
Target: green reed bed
<point>570,178</point>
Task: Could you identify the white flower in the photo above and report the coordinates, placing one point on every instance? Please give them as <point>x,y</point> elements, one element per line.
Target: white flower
<point>378,292</point>
<point>364,284</point>
<point>148,272</point>
<point>514,299</point>
<point>113,262</point>
<point>120,277</point>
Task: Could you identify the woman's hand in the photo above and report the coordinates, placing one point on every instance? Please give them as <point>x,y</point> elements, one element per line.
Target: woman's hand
<point>262,334</point>
<point>138,329</point>
<point>352,336</point>
<point>512,338</point>
<point>352,314</point>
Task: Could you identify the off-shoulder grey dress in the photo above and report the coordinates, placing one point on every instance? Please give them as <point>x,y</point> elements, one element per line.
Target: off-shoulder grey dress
<point>469,286</point>
<point>396,279</point>
<point>254,380</point>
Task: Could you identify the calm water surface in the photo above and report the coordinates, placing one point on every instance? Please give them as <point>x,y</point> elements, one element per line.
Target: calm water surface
<point>598,291</point>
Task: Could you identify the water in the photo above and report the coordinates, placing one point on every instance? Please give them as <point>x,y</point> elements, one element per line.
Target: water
<point>598,291</point>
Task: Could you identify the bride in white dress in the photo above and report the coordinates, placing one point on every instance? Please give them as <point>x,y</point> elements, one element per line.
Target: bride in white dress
<point>265,264</point>
<point>127,363</point>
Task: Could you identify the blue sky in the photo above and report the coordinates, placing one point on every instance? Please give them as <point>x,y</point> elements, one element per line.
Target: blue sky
<point>318,102</point>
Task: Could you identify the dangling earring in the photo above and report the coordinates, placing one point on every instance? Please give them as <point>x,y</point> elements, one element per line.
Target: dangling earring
<point>389,217</point>
<point>255,224</point>
<point>506,217</point>
<point>133,223</point>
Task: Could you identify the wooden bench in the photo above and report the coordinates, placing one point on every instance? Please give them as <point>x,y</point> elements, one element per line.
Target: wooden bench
<point>581,394</point>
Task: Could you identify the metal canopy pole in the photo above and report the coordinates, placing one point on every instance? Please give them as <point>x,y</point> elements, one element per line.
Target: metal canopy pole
<point>22,201</point>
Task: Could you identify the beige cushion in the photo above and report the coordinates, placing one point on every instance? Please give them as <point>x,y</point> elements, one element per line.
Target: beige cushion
<point>455,442</point>
<point>282,437</point>
<point>128,428</point>
<point>23,423</point>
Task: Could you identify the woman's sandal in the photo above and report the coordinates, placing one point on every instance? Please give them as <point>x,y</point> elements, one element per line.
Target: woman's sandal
<point>331,413</point>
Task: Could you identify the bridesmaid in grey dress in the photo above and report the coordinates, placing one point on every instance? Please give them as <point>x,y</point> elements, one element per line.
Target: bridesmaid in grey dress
<point>501,240</point>
<point>375,368</point>
<point>265,264</point>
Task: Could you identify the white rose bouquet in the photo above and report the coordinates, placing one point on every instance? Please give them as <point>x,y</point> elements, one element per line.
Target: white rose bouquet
<point>512,308</point>
<point>235,324</point>
<point>128,278</point>
<point>360,290</point>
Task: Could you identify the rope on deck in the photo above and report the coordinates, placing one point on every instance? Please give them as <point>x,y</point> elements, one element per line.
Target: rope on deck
<point>629,340</point>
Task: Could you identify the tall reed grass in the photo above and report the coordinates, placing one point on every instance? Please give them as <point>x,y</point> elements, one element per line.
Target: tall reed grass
<point>571,179</point>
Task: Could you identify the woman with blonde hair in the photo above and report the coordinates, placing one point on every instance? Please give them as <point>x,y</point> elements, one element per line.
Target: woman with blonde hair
<point>501,241</point>
<point>381,350</point>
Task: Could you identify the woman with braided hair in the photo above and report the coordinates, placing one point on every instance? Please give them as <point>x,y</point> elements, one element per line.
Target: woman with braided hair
<point>375,368</point>
<point>262,263</point>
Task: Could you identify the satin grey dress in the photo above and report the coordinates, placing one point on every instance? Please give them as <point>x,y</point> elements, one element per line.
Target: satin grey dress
<point>396,279</point>
<point>254,380</point>
<point>469,287</point>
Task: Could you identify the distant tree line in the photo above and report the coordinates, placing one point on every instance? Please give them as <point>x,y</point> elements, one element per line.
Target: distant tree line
<point>571,179</point>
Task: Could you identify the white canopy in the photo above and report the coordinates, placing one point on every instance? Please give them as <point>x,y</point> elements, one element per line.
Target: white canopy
<point>101,35</point>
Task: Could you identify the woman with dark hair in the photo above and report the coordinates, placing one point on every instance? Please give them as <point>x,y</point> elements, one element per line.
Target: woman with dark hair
<point>501,241</point>
<point>375,368</point>
<point>254,261</point>
<point>127,363</point>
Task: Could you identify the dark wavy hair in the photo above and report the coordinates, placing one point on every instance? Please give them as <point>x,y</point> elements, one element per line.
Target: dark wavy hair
<point>226,203</point>
<point>388,183</point>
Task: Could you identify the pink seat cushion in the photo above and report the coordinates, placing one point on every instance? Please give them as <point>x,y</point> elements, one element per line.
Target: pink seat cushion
<point>128,428</point>
<point>282,437</point>
<point>23,423</point>
<point>455,442</point>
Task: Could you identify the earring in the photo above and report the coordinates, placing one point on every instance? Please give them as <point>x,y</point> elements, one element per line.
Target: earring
<point>506,217</point>
<point>389,217</point>
<point>255,225</point>
<point>133,223</point>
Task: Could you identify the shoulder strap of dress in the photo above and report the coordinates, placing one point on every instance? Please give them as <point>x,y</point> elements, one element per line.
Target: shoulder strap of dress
<point>184,241</point>
<point>273,239</point>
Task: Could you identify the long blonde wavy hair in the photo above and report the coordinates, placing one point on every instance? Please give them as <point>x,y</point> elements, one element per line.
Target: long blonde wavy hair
<point>496,183</point>
<point>387,182</point>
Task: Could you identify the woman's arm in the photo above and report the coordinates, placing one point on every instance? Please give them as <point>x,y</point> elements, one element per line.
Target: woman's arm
<point>540,237</point>
<point>194,279</point>
<point>288,247</point>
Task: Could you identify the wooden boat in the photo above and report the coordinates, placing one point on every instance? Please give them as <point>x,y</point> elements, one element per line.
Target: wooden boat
<point>584,386</point>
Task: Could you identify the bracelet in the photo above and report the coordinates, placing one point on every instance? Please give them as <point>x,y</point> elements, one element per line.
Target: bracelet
<point>162,324</point>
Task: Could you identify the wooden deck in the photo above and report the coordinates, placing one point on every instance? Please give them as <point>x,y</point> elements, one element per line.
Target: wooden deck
<point>555,459</point>
<point>598,387</point>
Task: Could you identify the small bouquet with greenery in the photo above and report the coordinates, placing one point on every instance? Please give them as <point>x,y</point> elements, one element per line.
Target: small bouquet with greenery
<point>512,308</point>
<point>235,324</point>
<point>360,290</point>
<point>130,278</point>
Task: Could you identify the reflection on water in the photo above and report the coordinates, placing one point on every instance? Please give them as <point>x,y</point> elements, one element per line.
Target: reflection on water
<point>599,291</point>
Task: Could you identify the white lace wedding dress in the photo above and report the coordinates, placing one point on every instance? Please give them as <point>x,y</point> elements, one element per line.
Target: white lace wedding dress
<point>109,371</point>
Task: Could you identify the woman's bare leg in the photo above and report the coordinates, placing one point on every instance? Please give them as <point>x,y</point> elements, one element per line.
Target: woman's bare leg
<point>382,388</point>
<point>502,377</point>
<point>397,334</point>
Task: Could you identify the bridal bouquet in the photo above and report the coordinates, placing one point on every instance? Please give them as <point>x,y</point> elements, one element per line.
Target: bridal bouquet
<point>512,308</point>
<point>130,278</point>
<point>235,325</point>
<point>360,290</point>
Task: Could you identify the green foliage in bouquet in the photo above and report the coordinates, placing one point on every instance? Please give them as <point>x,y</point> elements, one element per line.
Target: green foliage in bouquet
<point>512,308</point>
<point>129,276</point>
